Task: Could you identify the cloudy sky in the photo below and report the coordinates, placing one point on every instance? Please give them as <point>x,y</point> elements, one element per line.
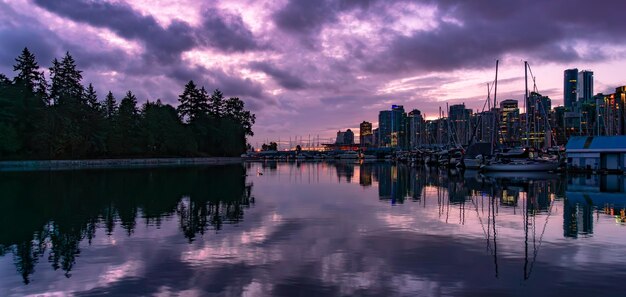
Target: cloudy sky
<point>313,67</point>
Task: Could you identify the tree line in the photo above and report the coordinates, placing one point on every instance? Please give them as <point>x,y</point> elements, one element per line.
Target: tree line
<point>60,118</point>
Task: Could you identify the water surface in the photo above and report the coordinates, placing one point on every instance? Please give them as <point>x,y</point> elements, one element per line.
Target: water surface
<point>310,229</point>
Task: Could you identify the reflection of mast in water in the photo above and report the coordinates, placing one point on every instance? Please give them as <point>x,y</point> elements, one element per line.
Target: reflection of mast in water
<point>491,226</point>
<point>492,212</point>
<point>532,206</point>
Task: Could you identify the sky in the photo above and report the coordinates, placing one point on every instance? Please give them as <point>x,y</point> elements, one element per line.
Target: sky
<point>315,67</point>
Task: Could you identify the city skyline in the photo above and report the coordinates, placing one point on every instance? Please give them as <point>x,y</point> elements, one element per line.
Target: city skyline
<point>339,63</point>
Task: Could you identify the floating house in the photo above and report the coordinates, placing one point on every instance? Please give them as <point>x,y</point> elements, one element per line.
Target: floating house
<point>596,153</point>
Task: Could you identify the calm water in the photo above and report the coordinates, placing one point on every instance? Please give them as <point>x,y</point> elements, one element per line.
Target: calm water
<point>311,229</point>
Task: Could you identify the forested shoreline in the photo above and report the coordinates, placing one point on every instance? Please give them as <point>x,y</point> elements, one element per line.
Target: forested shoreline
<point>60,118</point>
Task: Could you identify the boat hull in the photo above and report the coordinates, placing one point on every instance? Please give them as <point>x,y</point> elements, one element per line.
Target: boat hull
<point>543,166</point>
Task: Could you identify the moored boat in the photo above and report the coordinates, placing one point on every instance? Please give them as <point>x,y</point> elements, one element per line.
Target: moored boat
<point>521,165</point>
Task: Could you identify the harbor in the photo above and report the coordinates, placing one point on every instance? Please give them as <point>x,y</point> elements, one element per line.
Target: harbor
<point>586,135</point>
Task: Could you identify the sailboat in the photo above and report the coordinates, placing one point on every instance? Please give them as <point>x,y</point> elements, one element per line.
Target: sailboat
<point>523,162</point>
<point>476,153</point>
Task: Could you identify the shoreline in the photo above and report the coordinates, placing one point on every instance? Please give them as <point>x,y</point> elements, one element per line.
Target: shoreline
<point>35,165</point>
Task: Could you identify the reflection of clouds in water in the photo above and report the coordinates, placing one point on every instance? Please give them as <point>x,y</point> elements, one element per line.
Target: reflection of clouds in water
<point>117,272</point>
<point>407,284</point>
<point>340,240</point>
<point>234,247</point>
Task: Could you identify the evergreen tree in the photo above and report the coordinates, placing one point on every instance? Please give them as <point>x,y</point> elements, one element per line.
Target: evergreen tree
<point>27,71</point>
<point>234,108</point>
<point>25,102</point>
<point>188,107</point>
<point>66,86</point>
<point>94,131</point>
<point>56,74</point>
<point>128,106</point>
<point>4,80</point>
<point>163,133</point>
<point>126,130</point>
<point>203,103</point>
<point>216,104</point>
<point>91,98</point>
<point>110,106</point>
<point>74,124</point>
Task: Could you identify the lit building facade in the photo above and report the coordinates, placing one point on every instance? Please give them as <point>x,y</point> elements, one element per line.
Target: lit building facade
<point>459,121</point>
<point>584,88</point>
<point>366,137</point>
<point>392,127</point>
<point>415,122</point>
<point>570,85</point>
<point>509,122</point>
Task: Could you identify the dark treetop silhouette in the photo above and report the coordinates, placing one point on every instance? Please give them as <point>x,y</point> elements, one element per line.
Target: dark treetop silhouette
<point>62,119</point>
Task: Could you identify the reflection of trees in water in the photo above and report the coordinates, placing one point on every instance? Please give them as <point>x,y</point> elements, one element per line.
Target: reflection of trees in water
<point>51,213</point>
<point>198,215</point>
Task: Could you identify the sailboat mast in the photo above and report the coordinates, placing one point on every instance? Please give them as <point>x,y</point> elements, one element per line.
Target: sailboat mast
<point>526,102</point>
<point>495,94</point>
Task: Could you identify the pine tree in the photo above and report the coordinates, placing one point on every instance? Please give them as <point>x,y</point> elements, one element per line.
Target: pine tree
<point>110,106</point>
<point>41,90</point>
<point>4,80</point>
<point>126,131</point>
<point>27,71</point>
<point>91,98</point>
<point>128,106</point>
<point>66,81</point>
<point>187,109</point>
<point>216,104</point>
<point>56,74</point>
<point>203,102</point>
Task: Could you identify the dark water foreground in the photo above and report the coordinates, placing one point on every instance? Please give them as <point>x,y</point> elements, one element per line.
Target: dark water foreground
<point>311,229</point>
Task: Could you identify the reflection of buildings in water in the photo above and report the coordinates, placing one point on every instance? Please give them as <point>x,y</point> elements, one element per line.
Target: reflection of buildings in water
<point>365,175</point>
<point>538,193</point>
<point>577,219</point>
<point>416,183</point>
<point>586,194</point>
<point>344,169</point>
<point>509,198</point>
<point>384,177</point>
<point>397,182</point>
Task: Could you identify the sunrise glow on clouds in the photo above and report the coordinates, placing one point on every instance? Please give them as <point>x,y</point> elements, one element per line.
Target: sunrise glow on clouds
<point>313,67</point>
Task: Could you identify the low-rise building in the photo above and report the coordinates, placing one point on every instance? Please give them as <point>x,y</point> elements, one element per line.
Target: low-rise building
<point>604,153</point>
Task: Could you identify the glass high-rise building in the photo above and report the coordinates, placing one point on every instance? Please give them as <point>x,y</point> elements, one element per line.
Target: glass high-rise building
<point>365,134</point>
<point>570,85</point>
<point>584,86</point>
<point>391,127</point>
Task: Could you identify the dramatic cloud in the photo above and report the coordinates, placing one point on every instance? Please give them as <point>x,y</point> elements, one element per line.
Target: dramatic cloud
<point>338,62</point>
<point>282,77</point>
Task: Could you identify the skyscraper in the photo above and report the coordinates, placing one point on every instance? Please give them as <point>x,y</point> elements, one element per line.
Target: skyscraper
<point>391,125</point>
<point>415,129</point>
<point>570,84</point>
<point>459,120</point>
<point>365,134</point>
<point>509,121</point>
<point>584,88</point>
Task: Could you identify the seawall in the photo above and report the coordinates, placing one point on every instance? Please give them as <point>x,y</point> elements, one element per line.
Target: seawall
<point>112,163</point>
